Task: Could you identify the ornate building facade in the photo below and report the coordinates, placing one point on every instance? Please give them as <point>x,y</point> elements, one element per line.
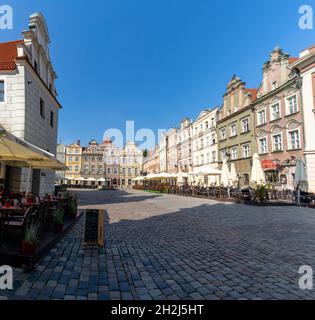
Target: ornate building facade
<point>279,120</point>
<point>184,146</point>
<point>172,159</point>
<point>93,166</point>
<point>205,139</point>
<point>163,146</point>
<point>111,156</point>
<point>74,161</point>
<point>235,129</point>
<point>151,163</point>
<point>131,159</point>
<point>304,67</point>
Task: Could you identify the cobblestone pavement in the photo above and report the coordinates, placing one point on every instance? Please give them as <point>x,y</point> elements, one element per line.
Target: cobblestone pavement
<point>170,247</point>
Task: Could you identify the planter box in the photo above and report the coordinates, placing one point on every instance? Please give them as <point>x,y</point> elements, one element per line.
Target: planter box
<point>58,228</point>
<point>29,249</point>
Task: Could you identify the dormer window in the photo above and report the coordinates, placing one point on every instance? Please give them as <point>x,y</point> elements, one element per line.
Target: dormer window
<point>274,85</point>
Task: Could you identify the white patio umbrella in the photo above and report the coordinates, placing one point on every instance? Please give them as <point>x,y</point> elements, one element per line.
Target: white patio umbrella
<point>141,178</point>
<point>300,177</point>
<point>80,179</point>
<point>101,180</point>
<point>225,174</point>
<point>233,176</point>
<point>192,179</point>
<point>91,179</point>
<point>161,176</point>
<point>181,178</point>
<point>206,171</point>
<point>257,176</point>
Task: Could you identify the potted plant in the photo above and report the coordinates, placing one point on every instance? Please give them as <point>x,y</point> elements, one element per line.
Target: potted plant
<point>30,242</point>
<point>261,194</point>
<point>58,220</point>
<point>29,198</point>
<point>73,209</point>
<point>7,203</point>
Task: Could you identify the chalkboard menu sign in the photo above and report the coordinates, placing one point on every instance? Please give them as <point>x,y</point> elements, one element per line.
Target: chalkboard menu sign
<point>94,227</point>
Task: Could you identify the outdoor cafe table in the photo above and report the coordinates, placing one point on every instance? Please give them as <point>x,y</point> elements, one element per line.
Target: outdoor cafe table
<point>30,205</point>
<point>11,209</point>
<point>9,212</point>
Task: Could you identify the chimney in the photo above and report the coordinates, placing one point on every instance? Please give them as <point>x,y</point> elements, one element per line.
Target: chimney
<point>79,142</point>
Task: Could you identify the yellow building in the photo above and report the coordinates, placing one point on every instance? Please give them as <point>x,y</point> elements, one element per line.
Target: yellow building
<point>74,161</point>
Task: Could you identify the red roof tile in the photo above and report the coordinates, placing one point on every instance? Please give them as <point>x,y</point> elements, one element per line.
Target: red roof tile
<point>253,93</point>
<point>8,54</point>
<point>292,60</point>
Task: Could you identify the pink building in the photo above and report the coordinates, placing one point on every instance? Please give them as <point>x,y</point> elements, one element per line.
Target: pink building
<point>279,120</point>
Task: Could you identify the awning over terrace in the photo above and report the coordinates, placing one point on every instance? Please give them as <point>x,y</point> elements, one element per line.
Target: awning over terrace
<point>19,153</point>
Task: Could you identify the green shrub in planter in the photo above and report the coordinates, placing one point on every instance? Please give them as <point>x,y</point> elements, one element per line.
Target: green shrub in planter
<point>30,242</point>
<point>261,193</point>
<point>58,219</point>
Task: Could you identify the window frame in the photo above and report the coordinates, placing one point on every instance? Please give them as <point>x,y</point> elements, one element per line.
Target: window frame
<point>231,132</point>
<point>258,116</point>
<point>259,145</point>
<point>271,113</point>
<point>234,153</point>
<point>4,91</point>
<point>225,136</point>
<point>42,112</point>
<point>243,150</point>
<point>272,142</point>
<point>242,122</point>
<point>287,104</point>
<point>289,138</point>
<point>223,154</point>
<point>213,156</point>
<point>52,119</point>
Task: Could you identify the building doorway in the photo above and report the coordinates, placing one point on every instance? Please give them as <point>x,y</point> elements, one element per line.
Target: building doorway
<point>36,182</point>
<point>7,179</point>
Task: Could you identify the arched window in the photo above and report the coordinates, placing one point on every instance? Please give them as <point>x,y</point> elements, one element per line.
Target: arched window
<point>293,135</point>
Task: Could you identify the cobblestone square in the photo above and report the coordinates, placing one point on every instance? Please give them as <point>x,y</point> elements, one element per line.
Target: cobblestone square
<point>169,247</point>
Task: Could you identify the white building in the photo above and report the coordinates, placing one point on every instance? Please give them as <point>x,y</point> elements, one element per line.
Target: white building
<point>184,145</point>
<point>163,152</point>
<point>61,156</point>
<point>204,138</point>
<point>172,165</point>
<point>305,66</point>
<point>131,160</point>
<point>28,101</point>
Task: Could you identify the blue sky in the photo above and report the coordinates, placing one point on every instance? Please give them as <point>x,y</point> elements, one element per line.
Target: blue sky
<point>155,61</point>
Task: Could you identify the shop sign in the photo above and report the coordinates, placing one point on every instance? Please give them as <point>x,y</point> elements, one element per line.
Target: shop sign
<point>270,164</point>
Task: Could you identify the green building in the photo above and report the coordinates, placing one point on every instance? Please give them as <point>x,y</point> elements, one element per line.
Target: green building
<point>236,129</point>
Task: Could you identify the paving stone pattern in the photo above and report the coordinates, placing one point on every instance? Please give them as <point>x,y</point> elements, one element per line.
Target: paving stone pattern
<point>170,248</point>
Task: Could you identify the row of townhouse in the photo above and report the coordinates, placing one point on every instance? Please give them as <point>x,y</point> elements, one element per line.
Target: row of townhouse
<point>100,164</point>
<point>277,121</point>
